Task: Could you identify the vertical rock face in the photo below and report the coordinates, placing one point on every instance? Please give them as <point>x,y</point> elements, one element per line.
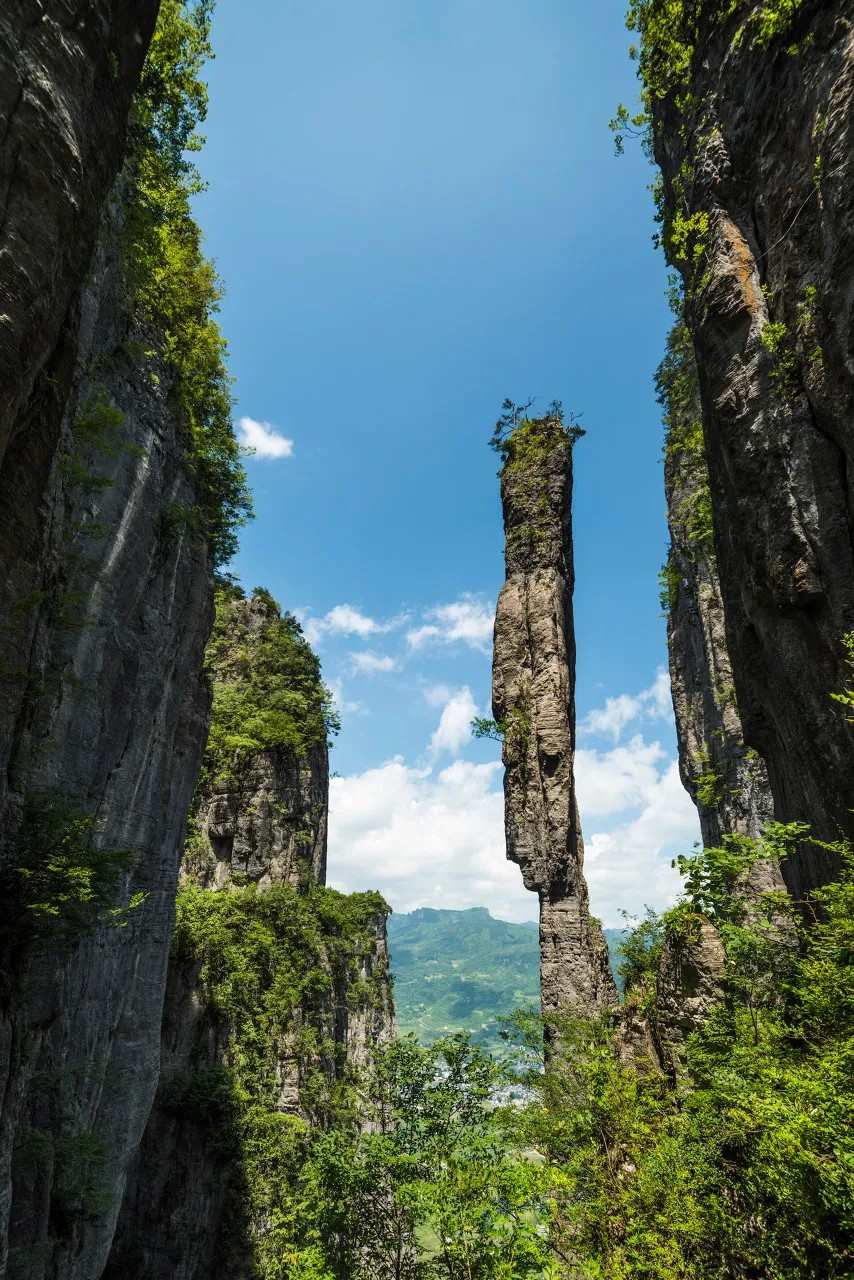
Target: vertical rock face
<point>278,988</point>
<point>111,722</point>
<point>67,73</point>
<point>533,697</point>
<point>263,821</point>
<point>105,581</point>
<point>753,130</point>
<point>727,781</point>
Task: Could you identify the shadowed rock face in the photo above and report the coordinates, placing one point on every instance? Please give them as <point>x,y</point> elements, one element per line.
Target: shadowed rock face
<point>67,73</point>
<point>112,712</point>
<point>726,780</point>
<point>533,696</point>
<point>259,821</point>
<point>764,151</point>
<point>104,615</point>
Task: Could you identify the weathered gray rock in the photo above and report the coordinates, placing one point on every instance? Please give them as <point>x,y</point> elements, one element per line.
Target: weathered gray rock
<point>112,713</point>
<point>67,74</point>
<point>764,150</point>
<point>259,824</point>
<point>727,781</point>
<point>264,821</point>
<point>690,983</point>
<point>533,696</point>
<point>270,827</point>
<point>184,1215</point>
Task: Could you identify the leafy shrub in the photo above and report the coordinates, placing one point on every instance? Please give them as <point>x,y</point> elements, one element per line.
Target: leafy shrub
<point>58,880</point>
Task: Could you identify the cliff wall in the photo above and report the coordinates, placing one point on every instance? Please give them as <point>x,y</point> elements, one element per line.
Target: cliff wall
<point>752,124</point>
<point>278,987</point>
<point>111,521</point>
<point>533,698</point>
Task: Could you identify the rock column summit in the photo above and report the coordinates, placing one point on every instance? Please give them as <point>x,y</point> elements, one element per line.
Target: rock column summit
<point>533,698</point>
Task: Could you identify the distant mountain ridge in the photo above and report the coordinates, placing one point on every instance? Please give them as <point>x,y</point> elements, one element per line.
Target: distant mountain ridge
<point>464,971</point>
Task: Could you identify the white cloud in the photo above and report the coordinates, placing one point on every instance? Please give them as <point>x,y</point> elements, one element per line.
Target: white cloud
<point>346,620</point>
<point>629,866</point>
<point>610,782</point>
<point>368,663</point>
<point>263,439</point>
<point>436,695</point>
<point>437,839</point>
<point>454,729</point>
<point>468,620</point>
<point>619,712</point>
<point>346,706</point>
<point>426,839</point>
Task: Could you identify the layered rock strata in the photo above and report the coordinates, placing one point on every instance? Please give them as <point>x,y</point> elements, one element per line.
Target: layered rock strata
<point>308,1003</point>
<point>533,698</point>
<point>753,129</point>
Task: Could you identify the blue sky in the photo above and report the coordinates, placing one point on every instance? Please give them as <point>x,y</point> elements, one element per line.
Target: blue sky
<point>417,211</point>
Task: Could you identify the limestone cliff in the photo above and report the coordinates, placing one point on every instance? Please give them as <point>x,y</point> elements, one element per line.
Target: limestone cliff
<point>67,73</point>
<point>111,516</point>
<point>752,115</point>
<point>262,809</point>
<point>278,987</point>
<point>727,780</point>
<point>533,698</point>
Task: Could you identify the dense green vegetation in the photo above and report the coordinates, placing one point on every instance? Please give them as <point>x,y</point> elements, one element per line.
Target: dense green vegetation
<point>172,287</point>
<point>438,1186</point>
<point>267,687</point>
<point>463,971</point>
<point>273,967</point>
<point>678,391</point>
<point>746,1170</point>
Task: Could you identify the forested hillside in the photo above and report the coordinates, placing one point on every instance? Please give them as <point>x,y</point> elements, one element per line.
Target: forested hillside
<point>463,971</point>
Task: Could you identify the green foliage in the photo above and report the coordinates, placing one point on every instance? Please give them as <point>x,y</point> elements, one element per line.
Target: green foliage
<point>777,341</point>
<point>172,285</point>
<point>670,34</point>
<point>520,438</point>
<point>748,1169</point>
<point>671,30</point>
<point>707,783</point>
<point>59,881</point>
<point>668,588</point>
<point>639,957</point>
<point>493,730</point>
<point>270,964</point>
<point>436,1187</point>
<point>268,692</point>
<point>461,971</point>
<point>775,19</point>
<point>846,697</point>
